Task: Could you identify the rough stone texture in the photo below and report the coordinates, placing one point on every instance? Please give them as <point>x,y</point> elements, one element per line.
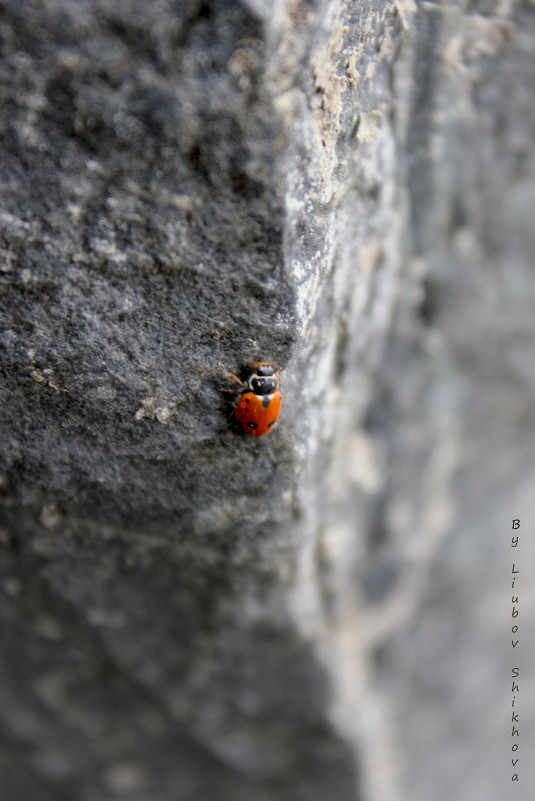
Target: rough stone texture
<point>323,613</point>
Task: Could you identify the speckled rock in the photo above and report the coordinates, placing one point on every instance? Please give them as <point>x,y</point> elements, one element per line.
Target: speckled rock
<point>193,615</point>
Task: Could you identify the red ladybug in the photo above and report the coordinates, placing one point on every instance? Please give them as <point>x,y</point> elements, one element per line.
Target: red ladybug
<point>259,405</point>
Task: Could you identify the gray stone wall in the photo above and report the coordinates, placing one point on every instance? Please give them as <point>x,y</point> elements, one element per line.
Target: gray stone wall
<point>347,189</point>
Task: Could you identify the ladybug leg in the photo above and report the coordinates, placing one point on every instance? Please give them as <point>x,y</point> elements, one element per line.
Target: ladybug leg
<point>264,364</point>
<point>235,378</point>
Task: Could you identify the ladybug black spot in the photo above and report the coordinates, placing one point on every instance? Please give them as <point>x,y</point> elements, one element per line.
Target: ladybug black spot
<point>270,423</point>
<point>252,425</point>
<point>247,400</point>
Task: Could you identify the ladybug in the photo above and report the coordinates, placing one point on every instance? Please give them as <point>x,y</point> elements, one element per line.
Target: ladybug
<point>260,401</point>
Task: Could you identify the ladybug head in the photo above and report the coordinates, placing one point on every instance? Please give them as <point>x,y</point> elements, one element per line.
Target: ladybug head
<point>264,381</point>
<point>265,370</point>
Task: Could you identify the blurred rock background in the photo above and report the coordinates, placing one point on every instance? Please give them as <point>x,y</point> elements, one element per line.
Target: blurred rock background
<point>346,188</point>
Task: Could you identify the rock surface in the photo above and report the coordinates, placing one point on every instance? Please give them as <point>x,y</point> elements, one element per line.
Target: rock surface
<point>345,188</point>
